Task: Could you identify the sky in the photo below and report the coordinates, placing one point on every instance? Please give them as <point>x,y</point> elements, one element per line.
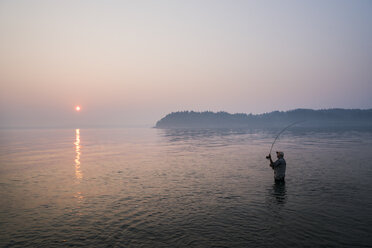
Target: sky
<point>129,63</point>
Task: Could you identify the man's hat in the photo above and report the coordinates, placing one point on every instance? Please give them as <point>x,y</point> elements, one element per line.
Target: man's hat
<point>280,153</point>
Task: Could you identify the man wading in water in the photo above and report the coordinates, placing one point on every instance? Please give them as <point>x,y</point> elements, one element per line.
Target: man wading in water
<point>278,166</point>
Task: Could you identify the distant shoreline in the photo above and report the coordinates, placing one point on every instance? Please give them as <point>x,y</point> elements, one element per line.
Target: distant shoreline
<point>323,117</point>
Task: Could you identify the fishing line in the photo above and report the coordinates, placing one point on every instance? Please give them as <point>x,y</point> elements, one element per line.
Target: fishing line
<point>272,145</point>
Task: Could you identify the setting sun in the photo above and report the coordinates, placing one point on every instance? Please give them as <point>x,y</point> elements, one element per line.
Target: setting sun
<point>77,108</point>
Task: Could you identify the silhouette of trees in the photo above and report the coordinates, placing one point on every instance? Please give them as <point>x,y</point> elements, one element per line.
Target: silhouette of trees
<point>208,119</point>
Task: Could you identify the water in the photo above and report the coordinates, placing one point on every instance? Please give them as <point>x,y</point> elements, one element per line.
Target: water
<point>184,188</point>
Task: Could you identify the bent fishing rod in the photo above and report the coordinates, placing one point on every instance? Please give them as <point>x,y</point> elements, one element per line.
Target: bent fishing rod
<point>272,145</point>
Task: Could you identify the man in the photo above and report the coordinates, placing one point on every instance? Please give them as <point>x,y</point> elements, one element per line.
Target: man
<point>279,167</point>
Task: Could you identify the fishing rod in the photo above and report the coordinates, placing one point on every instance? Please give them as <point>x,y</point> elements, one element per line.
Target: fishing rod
<point>272,145</point>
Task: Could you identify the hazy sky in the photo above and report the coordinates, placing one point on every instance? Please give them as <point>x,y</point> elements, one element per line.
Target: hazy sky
<point>132,62</point>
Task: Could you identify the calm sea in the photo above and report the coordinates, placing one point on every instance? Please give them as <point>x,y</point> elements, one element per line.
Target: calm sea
<point>184,188</point>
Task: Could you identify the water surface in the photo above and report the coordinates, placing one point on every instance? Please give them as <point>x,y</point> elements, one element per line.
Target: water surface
<point>184,188</point>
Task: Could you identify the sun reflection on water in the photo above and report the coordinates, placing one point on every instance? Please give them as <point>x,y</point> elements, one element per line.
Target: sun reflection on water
<point>78,173</point>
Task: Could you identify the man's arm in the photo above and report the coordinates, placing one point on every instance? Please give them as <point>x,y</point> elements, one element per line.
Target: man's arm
<point>271,162</point>
<point>275,164</point>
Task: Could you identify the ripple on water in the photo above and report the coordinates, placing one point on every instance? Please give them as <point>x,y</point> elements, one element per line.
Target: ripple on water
<point>186,189</point>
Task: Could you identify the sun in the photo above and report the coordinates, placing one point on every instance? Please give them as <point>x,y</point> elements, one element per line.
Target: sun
<point>77,108</point>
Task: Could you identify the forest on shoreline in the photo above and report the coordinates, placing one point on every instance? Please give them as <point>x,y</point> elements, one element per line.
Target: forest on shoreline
<point>310,117</point>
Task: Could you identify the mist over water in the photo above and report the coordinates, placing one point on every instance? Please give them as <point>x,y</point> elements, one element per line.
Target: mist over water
<point>130,63</point>
<point>184,188</point>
